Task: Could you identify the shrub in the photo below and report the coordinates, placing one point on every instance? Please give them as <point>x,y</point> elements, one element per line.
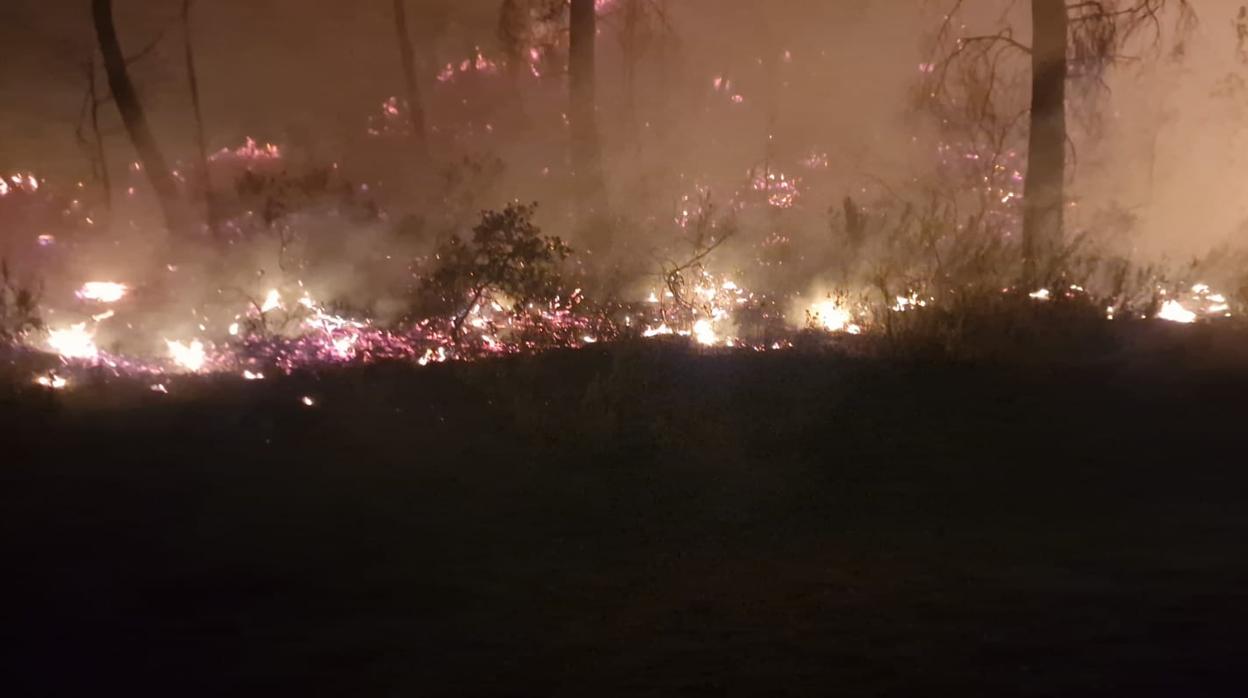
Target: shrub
<point>19,308</point>
<point>507,260</point>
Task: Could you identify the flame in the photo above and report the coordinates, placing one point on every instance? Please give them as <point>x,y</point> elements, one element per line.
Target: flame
<point>190,357</point>
<point>102,291</point>
<point>52,381</point>
<point>1173,311</point>
<point>830,316</point>
<point>704,333</point>
<point>74,342</point>
<point>659,331</point>
<point>272,301</point>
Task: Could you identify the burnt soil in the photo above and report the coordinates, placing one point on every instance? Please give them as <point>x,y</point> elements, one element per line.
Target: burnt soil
<point>635,521</point>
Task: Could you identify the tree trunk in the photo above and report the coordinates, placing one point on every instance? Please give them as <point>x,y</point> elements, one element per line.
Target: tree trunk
<point>132,115</point>
<point>513,19</point>
<point>586,151</point>
<point>415,108</point>
<point>1044,200</point>
<point>101,156</point>
<point>201,142</point>
<point>630,45</point>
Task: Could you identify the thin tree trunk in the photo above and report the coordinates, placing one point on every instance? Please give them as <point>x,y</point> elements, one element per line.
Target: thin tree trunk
<point>201,142</point>
<point>415,108</point>
<point>586,151</point>
<point>1044,202</point>
<point>631,50</point>
<point>101,156</point>
<point>513,18</point>
<point>132,115</point>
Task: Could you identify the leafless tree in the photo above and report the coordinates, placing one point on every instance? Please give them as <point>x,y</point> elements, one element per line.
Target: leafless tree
<point>1073,43</point>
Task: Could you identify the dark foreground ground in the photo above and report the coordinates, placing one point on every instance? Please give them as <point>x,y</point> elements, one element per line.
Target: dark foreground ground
<point>636,521</point>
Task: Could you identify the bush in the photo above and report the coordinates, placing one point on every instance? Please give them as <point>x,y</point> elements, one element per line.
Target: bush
<point>19,308</point>
<point>508,260</point>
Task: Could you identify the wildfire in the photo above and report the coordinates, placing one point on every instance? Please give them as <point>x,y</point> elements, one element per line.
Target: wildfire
<point>704,333</point>
<point>1173,311</point>
<point>102,291</point>
<point>272,301</point>
<point>250,150</point>
<point>831,316</point>
<point>781,190</point>
<point>74,342</point>
<point>188,356</point>
<point>1200,302</point>
<point>18,182</point>
<point>52,381</point>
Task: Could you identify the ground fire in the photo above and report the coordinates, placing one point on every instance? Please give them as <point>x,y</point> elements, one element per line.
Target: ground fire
<point>875,292</point>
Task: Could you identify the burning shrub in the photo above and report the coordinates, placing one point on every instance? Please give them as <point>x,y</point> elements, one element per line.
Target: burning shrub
<point>507,261</point>
<point>19,308</point>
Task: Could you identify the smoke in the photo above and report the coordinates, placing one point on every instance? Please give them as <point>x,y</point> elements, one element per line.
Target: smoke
<point>767,123</point>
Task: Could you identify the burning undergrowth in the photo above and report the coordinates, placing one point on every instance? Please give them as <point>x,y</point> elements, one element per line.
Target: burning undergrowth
<point>278,287</point>
<point>895,276</point>
<point>300,267</point>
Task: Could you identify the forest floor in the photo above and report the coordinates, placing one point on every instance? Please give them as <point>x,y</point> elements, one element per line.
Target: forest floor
<point>637,520</point>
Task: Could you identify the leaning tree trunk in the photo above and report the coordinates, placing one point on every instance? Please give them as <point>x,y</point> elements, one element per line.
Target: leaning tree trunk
<point>132,115</point>
<point>586,151</point>
<point>415,108</point>
<point>1044,201</point>
<point>201,142</point>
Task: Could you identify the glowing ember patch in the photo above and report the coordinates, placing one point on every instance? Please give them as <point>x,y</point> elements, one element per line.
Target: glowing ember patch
<point>102,291</point>
<point>46,240</point>
<point>1173,311</point>
<point>160,388</point>
<point>344,347</point>
<point>250,150</point>
<point>190,357</point>
<point>781,190</point>
<point>1042,295</point>
<point>252,376</point>
<point>74,342</point>
<point>308,401</point>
